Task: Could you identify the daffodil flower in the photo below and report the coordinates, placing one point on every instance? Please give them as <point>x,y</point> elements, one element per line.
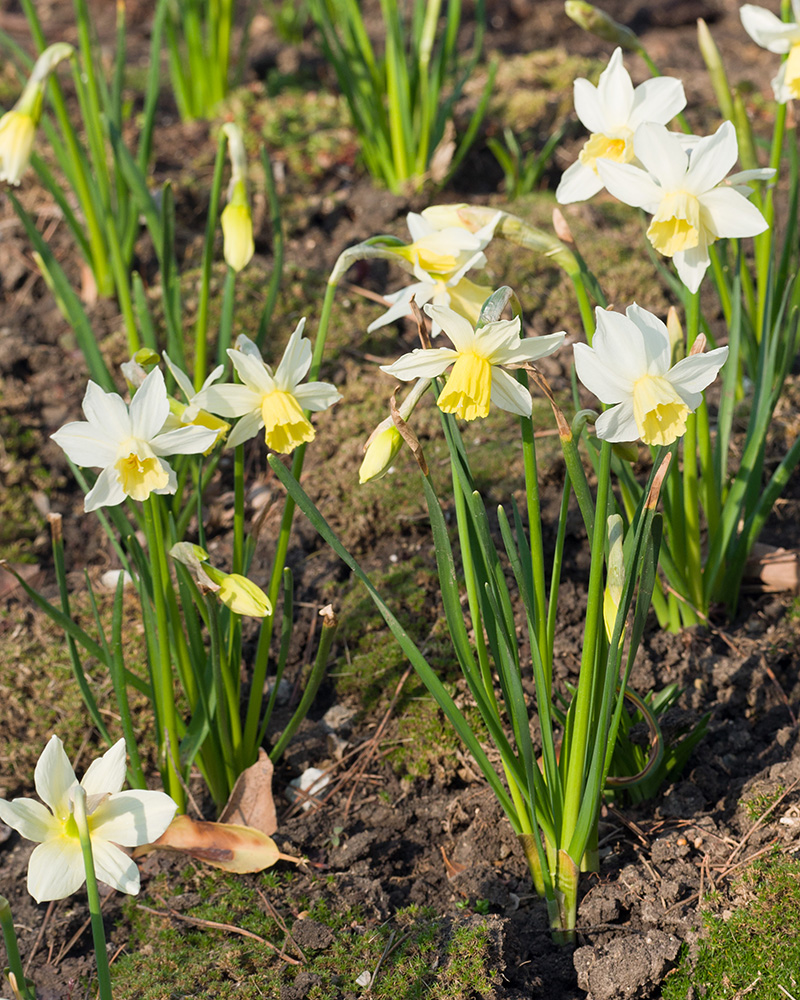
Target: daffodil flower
<point>687,194</point>
<point>476,379</point>
<point>192,413</point>
<point>274,402</point>
<point>780,37</point>
<point>127,819</point>
<point>612,111</point>
<point>628,365</point>
<point>128,443</point>
<point>439,257</point>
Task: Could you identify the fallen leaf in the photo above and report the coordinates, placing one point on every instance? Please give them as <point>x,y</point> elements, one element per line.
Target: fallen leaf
<point>229,846</point>
<point>251,801</point>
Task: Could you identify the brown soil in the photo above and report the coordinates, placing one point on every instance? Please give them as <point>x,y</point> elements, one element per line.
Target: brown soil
<point>443,839</point>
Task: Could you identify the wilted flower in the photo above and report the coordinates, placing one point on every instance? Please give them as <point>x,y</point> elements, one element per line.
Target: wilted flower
<point>612,111</point>
<point>476,378</point>
<point>628,365</point>
<point>274,402</point>
<point>128,443</point>
<point>780,37</point>
<point>686,191</point>
<point>128,819</point>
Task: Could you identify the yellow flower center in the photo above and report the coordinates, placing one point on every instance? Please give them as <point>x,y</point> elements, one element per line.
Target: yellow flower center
<point>792,71</point>
<point>285,424</point>
<point>140,476</point>
<point>659,411</point>
<point>676,225</point>
<point>428,256</point>
<point>469,387</point>
<point>604,147</point>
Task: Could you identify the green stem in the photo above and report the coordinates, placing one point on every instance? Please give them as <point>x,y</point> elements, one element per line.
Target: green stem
<point>12,949</point>
<point>98,932</point>
<point>691,498</point>
<point>539,595</point>
<point>201,325</point>
<point>163,690</point>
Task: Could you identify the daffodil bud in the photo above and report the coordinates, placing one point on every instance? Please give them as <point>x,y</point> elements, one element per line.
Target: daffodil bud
<point>18,126</point>
<point>237,230</point>
<point>237,222</point>
<point>597,22</point>
<point>381,451</point>
<point>616,575</point>
<point>243,597</point>
<point>444,216</point>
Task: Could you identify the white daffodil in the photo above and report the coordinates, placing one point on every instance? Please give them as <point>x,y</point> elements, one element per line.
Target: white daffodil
<point>476,380</point>
<point>628,365</point>
<point>274,402</point>
<point>780,37</point>
<point>687,194</point>
<point>439,256</point>
<point>127,819</point>
<point>128,443</point>
<point>612,111</point>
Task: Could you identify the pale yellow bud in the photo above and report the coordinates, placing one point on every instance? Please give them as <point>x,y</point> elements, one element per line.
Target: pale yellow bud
<point>237,230</point>
<point>596,21</point>
<point>381,451</point>
<point>616,575</point>
<point>17,130</point>
<point>243,597</point>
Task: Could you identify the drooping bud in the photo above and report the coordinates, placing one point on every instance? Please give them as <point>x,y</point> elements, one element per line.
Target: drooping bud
<point>597,22</point>
<point>237,220</point>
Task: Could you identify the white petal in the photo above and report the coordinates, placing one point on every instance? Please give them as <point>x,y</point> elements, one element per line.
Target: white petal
<point>55,869</point>
<point>113,867</point>
<point>296,360</point>
<point>781,90</point>
<point>693,374</point>
<point>150,406</point>
<point>401,303</point>
<point>598,378</point>
<point>85,445</point>
<point>317,396</point>
<point>657,100</point>
<point>533,348</point>
<point>498,341</point>
<point>53,778</point>
<point>459,330</point>
<point>212,377</point>
<point>655,336</point>
<point>730,214</point>
<point>622,346</point>
<point>618,423</point>
<point>230,400</point>
<point>30,819</point>
<point>133,817</point>
<point>244,345</point>
<point>712,159</point>
<point>661,154</point>
<point>107,412</point>
<point>247,427</point>
<point>692,265</point>
<point>418,226</point>
<point>509,395</point>
<point>106,492</point>
<point>183,380</point>
<point>421,363</point>
<point>252,372</point>
<point>588,106</point>
<point>615,91</point>
<point>630,185</point>
<point>766,29</point>
<point>107,773</point>
<point>189,440</point>
<point>578,183</point>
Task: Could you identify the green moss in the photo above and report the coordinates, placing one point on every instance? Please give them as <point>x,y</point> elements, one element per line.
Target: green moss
<point>754,947</point>
<point>415,954</point>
